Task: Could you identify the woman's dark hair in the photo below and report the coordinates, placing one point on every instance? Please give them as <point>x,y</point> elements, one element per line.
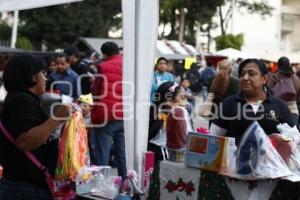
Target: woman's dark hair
<point>285,67</point>
<point>165,93</point>
<point>261,65</point>
<point>19,71</point>
<point>162,58</point>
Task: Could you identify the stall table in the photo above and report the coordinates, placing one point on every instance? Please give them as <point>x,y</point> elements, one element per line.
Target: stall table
<point>173,180</point>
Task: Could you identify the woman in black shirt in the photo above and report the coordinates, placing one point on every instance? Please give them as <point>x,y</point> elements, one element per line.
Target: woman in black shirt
<point>25,120</point>
<point>253,103</point>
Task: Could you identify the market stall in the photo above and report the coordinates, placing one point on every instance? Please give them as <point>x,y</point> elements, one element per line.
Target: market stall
<point>174,180</point>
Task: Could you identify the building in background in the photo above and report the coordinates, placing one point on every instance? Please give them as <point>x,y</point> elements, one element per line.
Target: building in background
<point>276,33</point>
<point>290,25</point>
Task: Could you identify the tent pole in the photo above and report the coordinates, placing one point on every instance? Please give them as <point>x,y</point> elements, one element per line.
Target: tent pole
<point>15,29</point>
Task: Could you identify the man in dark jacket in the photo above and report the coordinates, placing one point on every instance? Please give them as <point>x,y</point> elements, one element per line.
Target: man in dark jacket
<point>81,67</point>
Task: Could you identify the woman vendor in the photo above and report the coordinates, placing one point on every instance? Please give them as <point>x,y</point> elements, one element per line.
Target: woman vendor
<point>31,128</point>
<point>253,103</point>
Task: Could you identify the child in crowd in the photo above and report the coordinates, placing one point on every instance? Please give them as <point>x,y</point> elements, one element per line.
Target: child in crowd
<point>85,102</point>
<point>178,123</point>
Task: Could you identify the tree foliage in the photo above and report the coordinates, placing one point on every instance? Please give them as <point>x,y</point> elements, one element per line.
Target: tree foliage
<point>24,43</point>
<point>5,31</point>
<point>59,26</point>
<point>229,41</point>
<point>195,13</point>
<point>186,16</point>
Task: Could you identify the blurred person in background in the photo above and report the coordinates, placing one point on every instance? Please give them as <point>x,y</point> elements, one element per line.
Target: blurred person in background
<point>51,67</point>
<point>206,74</point>
<point>170,68</point>
<point>96,60</point>
<point>235,68</point>
<point>297,69</point>
<point>188,95</point>
<point>81,67</point>
<point>285,85</point>
<point>160,76</point>
<point>64,73</point>
<point>193,76</point>
<point>107,111</point>
<point>222,85</point>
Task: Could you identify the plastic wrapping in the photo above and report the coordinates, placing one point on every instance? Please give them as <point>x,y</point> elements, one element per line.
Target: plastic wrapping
<point>73,148</point>
<point>160,139</point>
<point>288,145</point>
<point>290,132</point>
<point>257,158</point>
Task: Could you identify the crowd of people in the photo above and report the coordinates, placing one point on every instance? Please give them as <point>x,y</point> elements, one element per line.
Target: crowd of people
<point>242,92</point>
<point>270,98</point>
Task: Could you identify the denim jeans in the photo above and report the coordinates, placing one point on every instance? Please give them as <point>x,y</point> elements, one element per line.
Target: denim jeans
<point>17,190</point>
<point>204,92</point>
<point>102,140</point>
<point>92,146</point>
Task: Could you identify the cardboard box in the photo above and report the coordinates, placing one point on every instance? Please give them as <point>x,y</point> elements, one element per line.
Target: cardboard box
<point>208,152</point>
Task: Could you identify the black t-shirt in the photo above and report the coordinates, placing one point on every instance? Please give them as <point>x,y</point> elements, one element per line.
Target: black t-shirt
<point>21,112</point>
<point>236,115</point>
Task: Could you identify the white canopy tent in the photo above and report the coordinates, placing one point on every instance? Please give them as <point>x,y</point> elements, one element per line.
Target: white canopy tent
<point>140,28</point>
<point>170,49</point>
<point>235,54</point>
<point>275,55</point>
<point>12,5</point>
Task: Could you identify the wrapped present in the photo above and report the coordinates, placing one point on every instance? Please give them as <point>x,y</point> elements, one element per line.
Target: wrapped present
<point>209,152</point>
